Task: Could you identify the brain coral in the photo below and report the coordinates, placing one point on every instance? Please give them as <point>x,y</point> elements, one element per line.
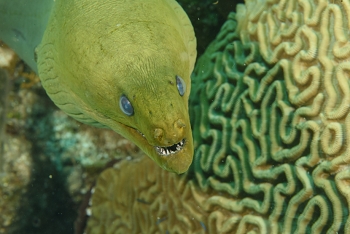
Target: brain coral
<point>270,109</point>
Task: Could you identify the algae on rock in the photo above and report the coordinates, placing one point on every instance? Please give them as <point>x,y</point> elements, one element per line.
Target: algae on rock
<point>4,83</point>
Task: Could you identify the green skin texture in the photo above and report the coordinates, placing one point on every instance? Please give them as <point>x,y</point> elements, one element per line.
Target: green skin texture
<point>92,52</point>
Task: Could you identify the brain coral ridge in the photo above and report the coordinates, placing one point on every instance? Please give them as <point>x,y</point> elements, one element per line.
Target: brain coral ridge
<point>271,124</point>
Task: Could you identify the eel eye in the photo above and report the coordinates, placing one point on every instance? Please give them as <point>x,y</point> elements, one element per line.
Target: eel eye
<point>125,105</point>
<point>181,86</point>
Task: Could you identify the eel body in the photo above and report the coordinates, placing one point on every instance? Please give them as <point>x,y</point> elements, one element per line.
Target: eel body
<point>119,64</point>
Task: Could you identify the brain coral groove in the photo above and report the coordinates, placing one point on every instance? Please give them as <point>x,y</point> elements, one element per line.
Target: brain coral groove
<point>270,116</point>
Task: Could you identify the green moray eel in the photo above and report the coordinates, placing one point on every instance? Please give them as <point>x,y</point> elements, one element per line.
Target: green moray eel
<point>120,64</point>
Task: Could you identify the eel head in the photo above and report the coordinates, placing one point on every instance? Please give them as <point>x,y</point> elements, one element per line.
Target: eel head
<point>124,73</point>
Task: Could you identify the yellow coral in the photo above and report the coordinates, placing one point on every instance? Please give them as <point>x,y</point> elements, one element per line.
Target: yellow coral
<point>137,197</point>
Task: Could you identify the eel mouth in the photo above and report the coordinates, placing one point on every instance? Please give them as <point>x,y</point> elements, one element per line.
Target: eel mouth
<point>173,149</point>
<point>167,150</point>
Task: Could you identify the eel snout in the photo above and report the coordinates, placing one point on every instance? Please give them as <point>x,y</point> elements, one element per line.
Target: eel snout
<point>171,139</point>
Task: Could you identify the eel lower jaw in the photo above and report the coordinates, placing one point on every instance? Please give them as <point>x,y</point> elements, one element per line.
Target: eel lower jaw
<point>168,150</point>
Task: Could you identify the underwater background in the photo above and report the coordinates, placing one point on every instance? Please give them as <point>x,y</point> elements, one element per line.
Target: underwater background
<point>269,110</point>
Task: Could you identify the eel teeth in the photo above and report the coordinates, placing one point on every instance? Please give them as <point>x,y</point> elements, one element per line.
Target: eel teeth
<point>165,151</point>
<point>141,133</point>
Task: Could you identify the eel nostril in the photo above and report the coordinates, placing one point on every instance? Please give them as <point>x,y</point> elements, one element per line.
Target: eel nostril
<point>158,134</point>
<point>180,123</point>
